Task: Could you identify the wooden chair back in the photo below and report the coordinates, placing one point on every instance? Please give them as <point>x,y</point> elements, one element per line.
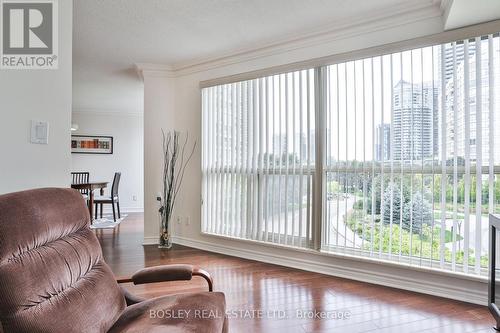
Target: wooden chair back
<point>116,184</point>
<point>80,178</point>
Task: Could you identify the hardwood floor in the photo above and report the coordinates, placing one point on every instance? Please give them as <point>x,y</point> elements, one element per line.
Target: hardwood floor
<point>279,292</point>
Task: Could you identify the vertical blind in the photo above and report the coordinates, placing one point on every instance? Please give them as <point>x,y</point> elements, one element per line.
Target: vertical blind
<point>408,160</point>
<point>258,158</point>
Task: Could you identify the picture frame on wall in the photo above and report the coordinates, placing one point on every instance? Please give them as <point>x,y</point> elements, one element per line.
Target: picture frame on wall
<point>91,144</point>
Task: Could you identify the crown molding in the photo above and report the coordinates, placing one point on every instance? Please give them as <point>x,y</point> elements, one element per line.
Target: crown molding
<point>375,21</point>
<point>406,13</point>
<point>154,70</point>
<point>445,6</point>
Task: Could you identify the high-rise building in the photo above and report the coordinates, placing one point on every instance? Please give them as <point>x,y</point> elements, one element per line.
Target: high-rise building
<point>459,57</point>
<point>415,112</point>
<point>456,132</point>
<point>383,142</point>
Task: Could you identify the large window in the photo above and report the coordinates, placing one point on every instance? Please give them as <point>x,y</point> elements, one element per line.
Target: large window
<point>258,158</point>
<point>393,157</point>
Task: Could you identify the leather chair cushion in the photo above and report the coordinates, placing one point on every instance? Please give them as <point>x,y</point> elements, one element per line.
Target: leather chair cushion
<point>195,312</point>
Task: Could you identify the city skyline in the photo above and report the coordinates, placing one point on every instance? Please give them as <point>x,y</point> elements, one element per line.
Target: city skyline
<point>409,110</point>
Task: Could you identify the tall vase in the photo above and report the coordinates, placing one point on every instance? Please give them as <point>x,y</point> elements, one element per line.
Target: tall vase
<point>165,241</point>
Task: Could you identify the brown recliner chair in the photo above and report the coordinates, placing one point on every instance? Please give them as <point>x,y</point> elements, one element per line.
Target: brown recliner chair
<point>53,277</point>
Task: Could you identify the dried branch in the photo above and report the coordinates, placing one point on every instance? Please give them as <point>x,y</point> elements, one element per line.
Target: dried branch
<point>175,163</point>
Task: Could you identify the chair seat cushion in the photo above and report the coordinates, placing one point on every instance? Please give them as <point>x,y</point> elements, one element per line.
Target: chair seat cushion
<point>194,312</point>
<point>103,198</point>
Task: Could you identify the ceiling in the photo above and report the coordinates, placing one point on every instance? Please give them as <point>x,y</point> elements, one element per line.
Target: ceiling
<point>110,36</point>
<point>466,12</point>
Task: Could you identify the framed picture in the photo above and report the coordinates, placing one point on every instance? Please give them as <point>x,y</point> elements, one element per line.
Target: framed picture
<point>90,144</point>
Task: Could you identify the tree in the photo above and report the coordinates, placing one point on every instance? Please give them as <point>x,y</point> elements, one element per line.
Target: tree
<point>373,189</point>
<point>416,213</point>
<point>437,188</point>
<point>416,210</point>
<point>392,190</point>
<point>333,187</point>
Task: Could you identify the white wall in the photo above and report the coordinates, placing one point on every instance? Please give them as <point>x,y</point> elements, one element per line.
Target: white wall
<point>127,158</point>
<point>159,113</point>
<point>43,95</point>
<point>186,115</point>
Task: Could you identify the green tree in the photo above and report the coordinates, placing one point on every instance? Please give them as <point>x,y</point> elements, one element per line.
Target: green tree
<point>392,190</point>
<point>333,187</point>
<point>417,211</point>
<point>373,190</point>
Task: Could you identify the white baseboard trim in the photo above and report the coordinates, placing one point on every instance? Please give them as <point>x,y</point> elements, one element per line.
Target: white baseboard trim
<point>132,209</point>
<point>109,210</point>
<point>150,240</point>
<point>460,289</point>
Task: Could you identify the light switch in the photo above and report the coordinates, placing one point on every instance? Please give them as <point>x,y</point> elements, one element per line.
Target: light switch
<point>39,132</point>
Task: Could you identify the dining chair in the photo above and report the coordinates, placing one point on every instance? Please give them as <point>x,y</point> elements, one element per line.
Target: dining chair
<point>81,178</point>
<point>112,199</point>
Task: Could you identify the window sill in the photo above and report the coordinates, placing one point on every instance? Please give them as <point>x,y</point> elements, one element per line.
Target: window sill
<point>372,260</point>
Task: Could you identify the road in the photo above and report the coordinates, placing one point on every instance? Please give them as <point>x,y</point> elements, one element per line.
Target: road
<point>345,236</point>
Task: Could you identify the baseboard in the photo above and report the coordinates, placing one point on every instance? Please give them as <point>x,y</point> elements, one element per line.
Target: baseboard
<point>150,240</point>
<point>460,289</point>
<point>109,210</point>
<point>131,210</point>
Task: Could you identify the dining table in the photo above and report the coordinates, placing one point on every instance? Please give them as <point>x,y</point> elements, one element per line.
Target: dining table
<point>91,187</point>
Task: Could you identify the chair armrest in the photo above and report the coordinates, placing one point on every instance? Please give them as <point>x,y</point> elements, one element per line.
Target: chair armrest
<point>130,298</point>
<point>204,274</point>
<point>166,273</point>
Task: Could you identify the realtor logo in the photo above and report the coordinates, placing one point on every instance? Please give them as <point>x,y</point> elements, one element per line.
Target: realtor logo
<point>29,34</point>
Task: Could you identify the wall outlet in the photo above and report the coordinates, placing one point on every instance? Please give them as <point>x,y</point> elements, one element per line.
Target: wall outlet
<point>178,219</point>
<point>188,220</point>
<point>134,198</point>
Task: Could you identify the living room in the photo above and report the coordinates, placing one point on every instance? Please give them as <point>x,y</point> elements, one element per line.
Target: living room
<point>230,166</point>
